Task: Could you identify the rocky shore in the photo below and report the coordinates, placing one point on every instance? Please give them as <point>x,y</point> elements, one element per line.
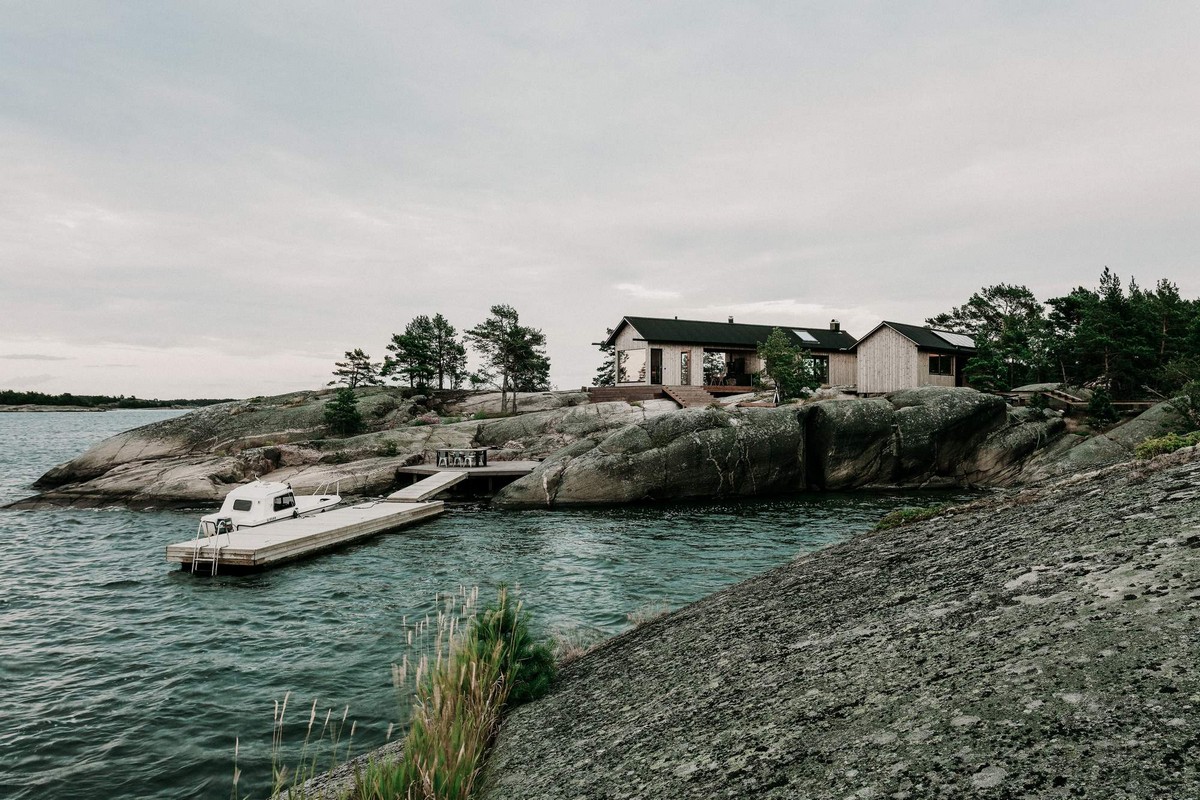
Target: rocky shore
<point>611,452</point>
<point>1040,644</point>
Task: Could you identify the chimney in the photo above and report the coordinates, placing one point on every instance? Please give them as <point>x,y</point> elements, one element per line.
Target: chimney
<point>731,320</point>
<point>834,325</point>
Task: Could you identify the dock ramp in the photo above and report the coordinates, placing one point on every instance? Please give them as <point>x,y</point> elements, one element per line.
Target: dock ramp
<point>426,488</point>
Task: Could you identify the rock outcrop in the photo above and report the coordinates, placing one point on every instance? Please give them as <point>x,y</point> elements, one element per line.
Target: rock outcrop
<point>1114,446</point>
<point>923,437</point>
<point>592,453</point>
<point>194,460</point>
<point>1037,645</point>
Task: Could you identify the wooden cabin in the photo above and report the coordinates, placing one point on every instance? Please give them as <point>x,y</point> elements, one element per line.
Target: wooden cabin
<point>895,356</point>
<point>673,352</point>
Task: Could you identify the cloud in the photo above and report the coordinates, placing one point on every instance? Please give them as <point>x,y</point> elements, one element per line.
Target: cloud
<point>19,382</point>
<point>789,311</point>
<point>641,292</point>
<point>34,357</point>
<point>308,184</point>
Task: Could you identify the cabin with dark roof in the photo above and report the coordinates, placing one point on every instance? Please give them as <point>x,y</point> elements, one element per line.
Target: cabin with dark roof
<point>895,356</point>
<point>674,352</point>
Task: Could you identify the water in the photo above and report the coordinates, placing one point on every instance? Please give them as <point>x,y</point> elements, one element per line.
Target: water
<point>124,678</point>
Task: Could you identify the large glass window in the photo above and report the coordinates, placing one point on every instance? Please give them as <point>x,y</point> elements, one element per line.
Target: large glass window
<point>685,368</point>
<point>941,365</point>
<point>821,368</point>
<point>631,366</point>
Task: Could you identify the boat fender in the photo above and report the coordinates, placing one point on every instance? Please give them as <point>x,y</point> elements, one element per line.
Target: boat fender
<point>295,513</point>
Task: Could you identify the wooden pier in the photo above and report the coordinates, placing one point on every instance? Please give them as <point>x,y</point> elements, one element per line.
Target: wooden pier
<point>486,479</point>
<point>278,542</point>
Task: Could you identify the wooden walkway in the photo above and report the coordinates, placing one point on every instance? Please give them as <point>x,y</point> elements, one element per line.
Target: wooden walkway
<point>279,542</point>
<point>494,475</point>
<point>428,487</point>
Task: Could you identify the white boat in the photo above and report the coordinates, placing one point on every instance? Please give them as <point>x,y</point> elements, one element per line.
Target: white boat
<point>260,503</point>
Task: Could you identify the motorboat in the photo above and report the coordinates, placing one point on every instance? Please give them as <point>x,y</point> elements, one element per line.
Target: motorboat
<point>261,503</point>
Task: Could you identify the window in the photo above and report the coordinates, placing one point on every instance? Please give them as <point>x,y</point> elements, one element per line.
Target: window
<point>685,367</point>
<point>284,502</point>
<point>242,505</point>
<point>631,366</point>
<point>941,365</point>
<point>821,368</point>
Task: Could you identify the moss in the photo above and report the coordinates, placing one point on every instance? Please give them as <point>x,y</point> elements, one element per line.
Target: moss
<point>903,516</point>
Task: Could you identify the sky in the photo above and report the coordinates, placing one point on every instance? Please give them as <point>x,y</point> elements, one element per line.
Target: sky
<point>217,199</point>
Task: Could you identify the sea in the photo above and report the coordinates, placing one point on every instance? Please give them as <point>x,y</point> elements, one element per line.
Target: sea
<point>125,677</point>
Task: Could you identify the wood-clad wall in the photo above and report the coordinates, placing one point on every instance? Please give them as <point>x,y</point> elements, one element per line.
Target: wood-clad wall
<point>673,367</point>
<point>888,362</point>
<point>933,380</point>
<point>843,369</point>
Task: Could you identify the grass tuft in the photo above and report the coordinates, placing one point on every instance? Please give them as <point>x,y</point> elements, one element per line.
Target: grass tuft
<point>904,516</point>
<point>482,663</point>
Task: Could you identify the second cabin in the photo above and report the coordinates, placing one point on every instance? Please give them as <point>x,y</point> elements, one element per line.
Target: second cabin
<point>719,356</point>
<point>895,356</point>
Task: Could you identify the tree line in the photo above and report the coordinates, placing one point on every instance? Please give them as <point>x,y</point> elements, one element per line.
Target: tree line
<point>9,397</point>
<point>430,353</point>
<point>1131,342</point>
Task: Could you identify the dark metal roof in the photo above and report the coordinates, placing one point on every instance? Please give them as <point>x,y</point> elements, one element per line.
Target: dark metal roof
<point>729,334</point>
<point>928,338</point>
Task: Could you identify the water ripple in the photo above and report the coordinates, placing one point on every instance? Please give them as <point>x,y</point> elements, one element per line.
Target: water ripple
<point>124,678</point>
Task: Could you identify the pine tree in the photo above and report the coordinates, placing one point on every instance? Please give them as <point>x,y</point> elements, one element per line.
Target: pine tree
<point>342,414</point>
<point>412,353</point>
<point>606,373</point>
<point>514,355</point>
<point>448,353</point>
<point>357,370</point>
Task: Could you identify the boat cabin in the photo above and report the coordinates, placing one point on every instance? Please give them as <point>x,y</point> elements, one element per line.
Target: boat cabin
<point>261,502</point>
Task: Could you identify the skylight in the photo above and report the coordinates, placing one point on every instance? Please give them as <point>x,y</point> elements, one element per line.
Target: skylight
<point>805,336</point>
<point>956,339</point>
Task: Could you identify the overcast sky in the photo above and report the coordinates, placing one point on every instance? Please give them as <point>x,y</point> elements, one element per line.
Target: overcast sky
<point>217,199</point>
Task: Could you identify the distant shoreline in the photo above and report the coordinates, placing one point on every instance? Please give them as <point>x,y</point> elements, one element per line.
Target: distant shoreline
<point>28,408</point>
<point>34,408</point>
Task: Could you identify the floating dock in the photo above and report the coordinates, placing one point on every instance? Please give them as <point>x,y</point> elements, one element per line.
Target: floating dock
<point>278,542</point>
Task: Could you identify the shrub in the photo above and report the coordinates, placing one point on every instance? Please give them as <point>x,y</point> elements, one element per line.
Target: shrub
<point>527,665</point>
<point>1166,444</point>
<point>1187,403</point>
<point>387,447</point>
<point>1100,407</point>
<point>428,418</point>
<point>342,414</point>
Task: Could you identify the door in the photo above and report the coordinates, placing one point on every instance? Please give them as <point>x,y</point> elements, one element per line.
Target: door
<point>656,365</point>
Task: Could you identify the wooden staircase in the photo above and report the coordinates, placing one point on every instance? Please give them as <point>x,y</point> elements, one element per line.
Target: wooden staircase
<point>1063,401</point>
<point>689,396</point>
<point>630,394</point>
